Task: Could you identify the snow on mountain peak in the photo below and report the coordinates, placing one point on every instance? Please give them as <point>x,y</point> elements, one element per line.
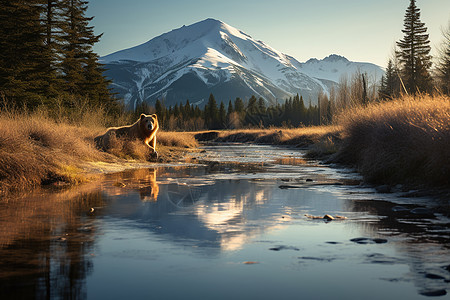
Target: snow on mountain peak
<point>334,58</point>
<point>212,56</point>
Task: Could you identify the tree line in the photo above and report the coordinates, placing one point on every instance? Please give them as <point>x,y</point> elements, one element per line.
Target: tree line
<point>237,114</point>
<point>46,55</point>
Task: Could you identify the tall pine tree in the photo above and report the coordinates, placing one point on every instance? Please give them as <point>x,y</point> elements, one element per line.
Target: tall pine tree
<point>24,77</point>
<point>390,83</point>
<point>211,113</point>
<point>413,54</point>
<point>443,65</point>
<point>82,73</point>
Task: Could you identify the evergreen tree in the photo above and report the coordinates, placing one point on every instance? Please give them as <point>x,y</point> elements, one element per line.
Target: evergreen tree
<point>443,66</point>
<point>51,19</point>
<point>390,84</point>
<point>413,54</point>
<point>261,106</point>
<point>222,116</point>
<point>251,115</point>
<point>82,73</point>
<point>252,107</point>
<point>160,111</point>
<point>239,106</point>
<point>24,77</point>
<point>211,113</point>
<point>187,110</point>
<point>230,108</point>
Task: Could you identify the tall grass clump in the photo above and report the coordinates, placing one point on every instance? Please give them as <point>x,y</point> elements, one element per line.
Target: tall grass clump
<point>35,149</point>
<point>406,140</point>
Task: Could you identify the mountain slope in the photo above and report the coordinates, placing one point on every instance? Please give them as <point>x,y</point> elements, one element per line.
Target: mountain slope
<point>212,57</point>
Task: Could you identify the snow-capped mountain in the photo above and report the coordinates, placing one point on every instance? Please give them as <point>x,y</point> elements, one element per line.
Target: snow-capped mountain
<point>213,57</point>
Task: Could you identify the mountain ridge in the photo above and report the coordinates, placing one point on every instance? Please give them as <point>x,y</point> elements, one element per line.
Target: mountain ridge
<point>210,56</point>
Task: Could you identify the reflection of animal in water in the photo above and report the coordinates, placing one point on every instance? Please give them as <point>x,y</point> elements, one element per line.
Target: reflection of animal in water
<point>150,191</point>
<point>140,180</point>
<point>143,129</point>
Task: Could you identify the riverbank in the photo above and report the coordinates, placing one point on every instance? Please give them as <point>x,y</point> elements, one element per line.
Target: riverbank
<point>399,142</point>
<point>36,150</point>
<point>404,141</point>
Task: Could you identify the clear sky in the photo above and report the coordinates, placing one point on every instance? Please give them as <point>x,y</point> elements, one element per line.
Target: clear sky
<point>360,30</point>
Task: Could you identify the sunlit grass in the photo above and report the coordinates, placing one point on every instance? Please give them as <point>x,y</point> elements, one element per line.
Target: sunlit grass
<point>36,149</point>
<point>302,136</point>
<point>404,140</point>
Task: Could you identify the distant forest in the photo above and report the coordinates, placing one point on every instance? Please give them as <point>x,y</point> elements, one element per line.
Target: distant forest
<point>291,113</point>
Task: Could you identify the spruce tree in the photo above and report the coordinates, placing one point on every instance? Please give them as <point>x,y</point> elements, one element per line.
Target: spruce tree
<point>51,19</point>
<point>24,78</point>
<point>230,108</point>
<point>261,106</point>
<point>239,106</point>
<point>222,116</point>
<point>82,73</point>
<point>390,84</point>
<point>413,54</point>
<point>211,112</point>
<point>443,65</point>
<point>252,106</point>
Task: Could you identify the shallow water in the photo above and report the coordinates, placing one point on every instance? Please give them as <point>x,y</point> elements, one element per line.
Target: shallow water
<point>232,226</point>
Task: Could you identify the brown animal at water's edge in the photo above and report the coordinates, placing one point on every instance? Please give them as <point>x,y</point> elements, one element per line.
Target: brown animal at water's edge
<point>144,129</point>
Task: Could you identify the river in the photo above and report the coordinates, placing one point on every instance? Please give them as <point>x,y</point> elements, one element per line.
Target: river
<point>230,223</point>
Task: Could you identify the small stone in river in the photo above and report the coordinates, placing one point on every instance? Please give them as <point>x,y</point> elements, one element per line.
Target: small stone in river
<point>364,240</point>
<point>379,241</point>
<point>433,276</point>
<point>399,208</point>
<point>434,293</point>
<point>309,179</point>
<point>421,211</point>
<point>361,240</point>
<point>383,189</point>
<point>446,268</point>
<point>284,248</point>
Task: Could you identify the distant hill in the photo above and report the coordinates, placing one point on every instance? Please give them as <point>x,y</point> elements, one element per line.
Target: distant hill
<point>213,57</point>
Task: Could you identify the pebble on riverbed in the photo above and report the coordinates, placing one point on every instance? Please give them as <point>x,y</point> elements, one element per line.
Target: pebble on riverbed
<point>364,240</point>
<point>326,217</point>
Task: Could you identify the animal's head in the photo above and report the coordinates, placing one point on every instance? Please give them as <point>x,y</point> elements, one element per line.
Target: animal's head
<point>148,122</point>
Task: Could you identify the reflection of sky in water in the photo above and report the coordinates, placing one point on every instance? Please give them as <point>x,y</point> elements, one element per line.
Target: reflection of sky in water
<point>186,232</point>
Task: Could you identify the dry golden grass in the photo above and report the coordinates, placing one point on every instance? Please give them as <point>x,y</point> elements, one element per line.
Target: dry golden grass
<point>402,141</point>
<point>303,136</point>
<point>177,139</point>
<point>35,149</point>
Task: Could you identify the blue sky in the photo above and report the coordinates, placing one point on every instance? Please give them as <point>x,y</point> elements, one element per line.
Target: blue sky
<point>361,30</point>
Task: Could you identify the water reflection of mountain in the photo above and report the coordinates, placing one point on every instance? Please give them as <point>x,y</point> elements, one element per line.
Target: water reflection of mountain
<point>45,241</point>
<point>195,208</point>
<point>420,235</point>
<point>217,215</point>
